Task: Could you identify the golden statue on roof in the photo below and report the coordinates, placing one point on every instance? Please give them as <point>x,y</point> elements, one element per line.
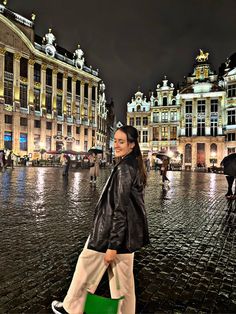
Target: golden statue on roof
<point>202,56</point>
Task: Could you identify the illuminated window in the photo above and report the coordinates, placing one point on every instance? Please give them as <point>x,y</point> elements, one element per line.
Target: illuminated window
<point>23,141</point>
<point>8,140</point>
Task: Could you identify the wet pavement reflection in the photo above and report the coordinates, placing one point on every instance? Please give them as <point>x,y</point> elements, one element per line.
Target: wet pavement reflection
<point>188,268</point>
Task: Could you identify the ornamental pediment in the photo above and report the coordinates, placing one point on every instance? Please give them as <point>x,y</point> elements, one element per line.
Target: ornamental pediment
<point>10,38</point>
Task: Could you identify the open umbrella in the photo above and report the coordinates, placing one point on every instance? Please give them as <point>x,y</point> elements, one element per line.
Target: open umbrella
<point>95,150</point>
<point>161,156</point>
<point>229,163</point>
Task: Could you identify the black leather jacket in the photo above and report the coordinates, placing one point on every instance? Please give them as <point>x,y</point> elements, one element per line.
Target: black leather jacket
<point>120,221</point>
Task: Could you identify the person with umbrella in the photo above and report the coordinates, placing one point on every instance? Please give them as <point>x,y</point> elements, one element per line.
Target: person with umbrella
<point>229,164</point>
<point>119,229</point>
<point>94,168</point>
<point>164,168</point>
<point>65,164</point>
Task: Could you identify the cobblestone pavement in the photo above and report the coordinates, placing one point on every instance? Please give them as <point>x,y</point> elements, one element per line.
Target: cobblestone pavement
<point>188,268</point>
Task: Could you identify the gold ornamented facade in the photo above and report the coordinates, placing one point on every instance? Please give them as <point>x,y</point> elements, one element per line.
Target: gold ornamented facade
<point>196,123</point>
<point>48,96</point>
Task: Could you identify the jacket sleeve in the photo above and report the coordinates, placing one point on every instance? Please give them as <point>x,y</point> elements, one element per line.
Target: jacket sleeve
<point>122,191</point>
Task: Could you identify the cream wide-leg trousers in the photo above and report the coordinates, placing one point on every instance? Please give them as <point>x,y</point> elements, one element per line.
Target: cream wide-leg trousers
<point>88,273</point>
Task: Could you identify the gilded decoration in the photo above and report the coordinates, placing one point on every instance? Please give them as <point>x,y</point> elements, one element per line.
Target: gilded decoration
<point>31,61</point>
<point>44,67</point>
<point>202,57</point>
<point>74,78</point>
<point>17,56</point>
<point>65,75</point>
<point>2,51</point>
<point>55,71</point>
<point>23,79</point>
<point>37,85</point>
<point>60,92</point>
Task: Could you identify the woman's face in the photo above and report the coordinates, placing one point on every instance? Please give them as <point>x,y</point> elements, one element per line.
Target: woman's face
<point>121,146</point>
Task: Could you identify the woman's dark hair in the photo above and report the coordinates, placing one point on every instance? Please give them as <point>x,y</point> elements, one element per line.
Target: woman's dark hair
<point>132,137</point>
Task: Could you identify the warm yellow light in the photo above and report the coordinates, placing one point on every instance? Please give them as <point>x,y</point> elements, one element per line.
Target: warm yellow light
<point>213,154</point>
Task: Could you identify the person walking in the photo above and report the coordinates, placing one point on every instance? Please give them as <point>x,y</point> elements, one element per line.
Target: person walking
<point>2,160</point>
<point>94,168</point>
<point>119,229</point>
<point>164,168</point>
<point>229,164</point>
<point>65,165</point>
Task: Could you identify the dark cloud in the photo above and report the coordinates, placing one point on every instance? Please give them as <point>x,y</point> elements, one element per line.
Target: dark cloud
<point>135,43</point>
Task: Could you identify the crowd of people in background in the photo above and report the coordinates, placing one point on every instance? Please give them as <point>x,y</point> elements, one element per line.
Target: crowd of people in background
<point>7,159</point>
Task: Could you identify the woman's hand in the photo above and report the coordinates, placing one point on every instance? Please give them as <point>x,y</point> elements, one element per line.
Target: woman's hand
<point>110,256</point>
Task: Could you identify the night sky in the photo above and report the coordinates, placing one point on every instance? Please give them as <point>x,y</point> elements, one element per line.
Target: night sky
<point>136,42</point>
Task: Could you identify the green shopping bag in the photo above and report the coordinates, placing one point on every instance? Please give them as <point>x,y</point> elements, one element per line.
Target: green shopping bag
<point>95,304</point>
<point>100,305</point>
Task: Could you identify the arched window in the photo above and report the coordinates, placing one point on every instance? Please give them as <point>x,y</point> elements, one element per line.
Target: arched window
<point>188,153</point>
<point>164,101</point>
<point>213,151</point>
<point>173,102</point>
<point>138,108</point>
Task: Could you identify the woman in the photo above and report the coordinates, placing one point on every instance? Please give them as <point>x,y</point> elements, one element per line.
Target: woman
<point>119,229</point>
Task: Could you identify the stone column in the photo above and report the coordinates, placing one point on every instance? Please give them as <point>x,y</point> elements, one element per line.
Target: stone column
<point>194,155</point>
<point>30,97</point>
<point>64,99</point>
<point>16,81</point>
<point>43,132</point>
<point>43,88</point>
<point>96,106</point>
<point>2,68</point>
<point>54,108</point>
<point>90,85</point>
<point>30,134</point>
<point>64,95</point>
<point>82,99</point>
<point>16,132</point>
<point>54,92</point>
<point>73,109</point>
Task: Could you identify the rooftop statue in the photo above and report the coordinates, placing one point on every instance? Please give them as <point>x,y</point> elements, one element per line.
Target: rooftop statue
<point>102,88</point>
<point>78,57</point>
<point>202,56</point>
<point>49,38</point>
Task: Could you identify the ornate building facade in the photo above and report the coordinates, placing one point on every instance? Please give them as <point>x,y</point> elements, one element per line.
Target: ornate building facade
<point>196,122</point>
<point>157,120</point>
<point>48,96</point>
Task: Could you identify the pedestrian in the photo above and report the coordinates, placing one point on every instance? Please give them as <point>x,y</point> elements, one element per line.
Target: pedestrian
<point>158,163</point>
<point>65,165</point>
<point>2,160</point>
<point>164,168</point>
<point>10,160</point>
<point>94,168</point>
<point>147,164</point>
<point>229,164</point>
<point>119,229</point>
